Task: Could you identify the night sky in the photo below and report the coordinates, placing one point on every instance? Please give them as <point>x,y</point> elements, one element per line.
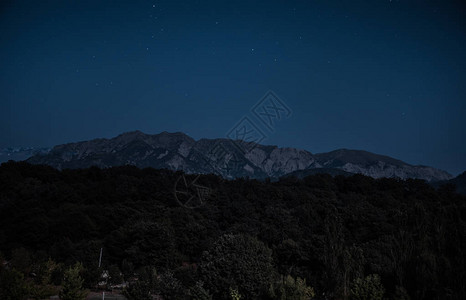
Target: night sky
<point>383,76</point>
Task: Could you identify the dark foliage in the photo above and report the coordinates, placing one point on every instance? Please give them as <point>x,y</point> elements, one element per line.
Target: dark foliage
<point>329,231</point>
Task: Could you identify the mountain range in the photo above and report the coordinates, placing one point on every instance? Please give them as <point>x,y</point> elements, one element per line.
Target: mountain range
<point>20,153</point>
<point>228,158</point>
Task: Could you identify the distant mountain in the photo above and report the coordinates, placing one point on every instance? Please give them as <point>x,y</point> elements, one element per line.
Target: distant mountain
<point>20,153</point>
<point>377,166</point>
<point>230,159</point>
<point>459,182</point>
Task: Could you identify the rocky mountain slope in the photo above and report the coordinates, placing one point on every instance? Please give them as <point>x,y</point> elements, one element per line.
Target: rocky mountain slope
<point>177,151</point>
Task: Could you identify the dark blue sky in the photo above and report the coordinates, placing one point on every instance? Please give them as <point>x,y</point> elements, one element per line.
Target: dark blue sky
<point>384,76</point>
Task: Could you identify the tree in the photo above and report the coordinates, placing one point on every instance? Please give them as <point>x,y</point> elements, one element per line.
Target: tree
<point>127,268</point>
<point>352,265</point>
<point>333,256</point>
<point>198,292</point>
<point>139,290</point>
<point>44,271</point>
<point>401,294</point>
<point>291,289</point>
<point>72,284</point>
<point>237,261</point>
<point>21,260</point>
<point>12,285</point>
<point>369,288</point>
<point>235,295</point>
<point>150,243</point>
<point>288,254</point>
<point>1,260</point>
<point>43,288</point>
<point>169,287</point>
<point>114,274</point>
<point>42,291</point>
<point>143,288</point>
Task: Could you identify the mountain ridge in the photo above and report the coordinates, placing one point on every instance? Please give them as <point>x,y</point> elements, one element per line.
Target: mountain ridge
<point>225,157</point>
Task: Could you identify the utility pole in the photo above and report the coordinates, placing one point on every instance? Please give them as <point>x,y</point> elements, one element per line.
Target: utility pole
<point>100,262</point>
<point>100,258</point>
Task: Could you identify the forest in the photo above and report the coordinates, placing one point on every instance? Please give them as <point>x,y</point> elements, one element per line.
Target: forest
<point>320,237</point>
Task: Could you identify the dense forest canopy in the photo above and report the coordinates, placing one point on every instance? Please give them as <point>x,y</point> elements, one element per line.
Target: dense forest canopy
<point>322,236</point>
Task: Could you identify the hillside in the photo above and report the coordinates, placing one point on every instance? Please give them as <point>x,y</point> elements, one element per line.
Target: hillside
<point>317,228</point>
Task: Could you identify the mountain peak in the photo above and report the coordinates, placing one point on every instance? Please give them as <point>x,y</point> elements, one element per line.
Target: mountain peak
<point>131,133</point>
<point>360,157</point>
<point>174,134</point>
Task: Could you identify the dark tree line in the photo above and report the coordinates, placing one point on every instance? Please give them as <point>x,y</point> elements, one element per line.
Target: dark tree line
<point>323,237</point>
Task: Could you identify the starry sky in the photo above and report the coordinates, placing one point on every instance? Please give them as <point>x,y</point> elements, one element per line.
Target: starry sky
<point>383,76</point>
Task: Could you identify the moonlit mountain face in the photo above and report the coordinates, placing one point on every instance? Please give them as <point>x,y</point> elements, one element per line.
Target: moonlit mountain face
<point>224,157</point>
